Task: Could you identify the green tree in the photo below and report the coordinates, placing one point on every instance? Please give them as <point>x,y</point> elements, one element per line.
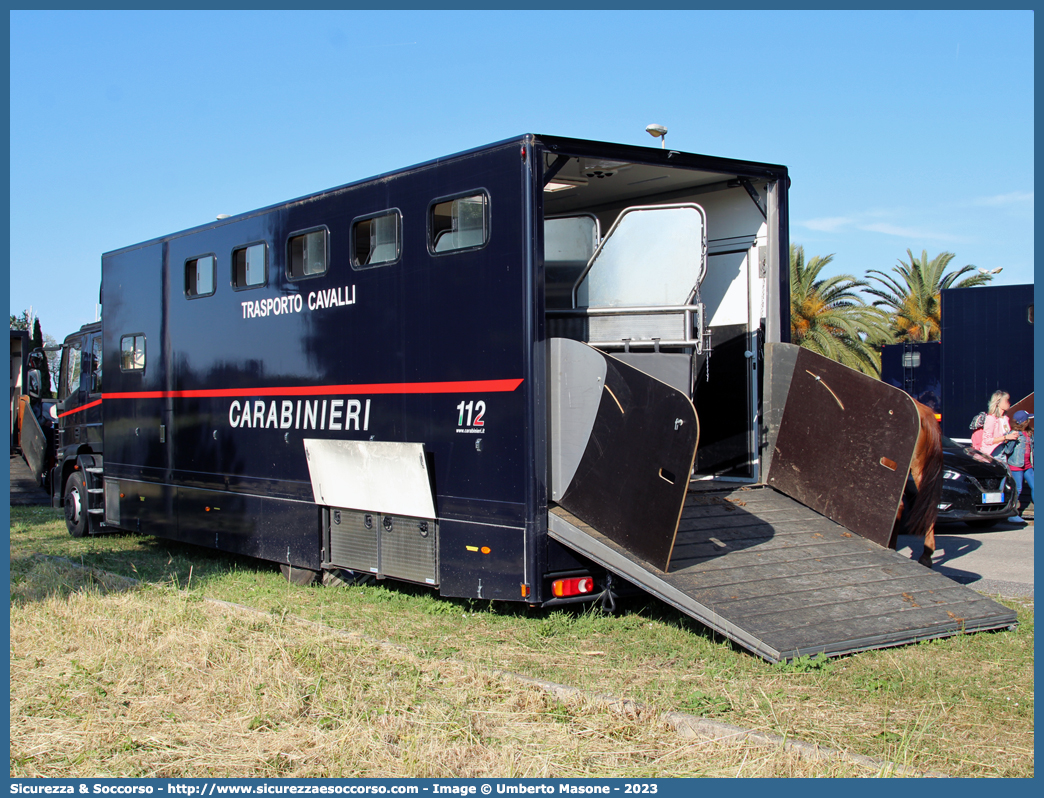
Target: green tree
<point>913,297</point>
<point>37,340</point>
<point>829,317</point>
<point>45,371</point>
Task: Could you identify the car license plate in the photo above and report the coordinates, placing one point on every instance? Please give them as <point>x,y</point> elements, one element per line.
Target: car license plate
<point>993,498</point>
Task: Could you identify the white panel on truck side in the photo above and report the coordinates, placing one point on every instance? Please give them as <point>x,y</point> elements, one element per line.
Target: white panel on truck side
<point>379,476</point>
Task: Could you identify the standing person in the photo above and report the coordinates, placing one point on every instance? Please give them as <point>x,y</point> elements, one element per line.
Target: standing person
<point>1020,463</point>
<point>996,430</point>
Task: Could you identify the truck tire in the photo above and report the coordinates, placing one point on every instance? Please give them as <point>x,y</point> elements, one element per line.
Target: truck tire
<point>299,576</point>
<point>76,504</point>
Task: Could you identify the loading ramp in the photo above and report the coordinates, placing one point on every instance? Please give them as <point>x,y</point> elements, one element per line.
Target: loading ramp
<point>783,581</point>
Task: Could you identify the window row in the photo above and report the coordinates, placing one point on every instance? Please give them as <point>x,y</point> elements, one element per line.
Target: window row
<point>455,223</point>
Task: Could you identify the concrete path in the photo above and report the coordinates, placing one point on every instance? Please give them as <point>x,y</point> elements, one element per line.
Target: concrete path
<point>995,561</point>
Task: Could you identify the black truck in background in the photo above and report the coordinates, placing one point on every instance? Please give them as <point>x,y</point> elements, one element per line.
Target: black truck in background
<point>987,345</point>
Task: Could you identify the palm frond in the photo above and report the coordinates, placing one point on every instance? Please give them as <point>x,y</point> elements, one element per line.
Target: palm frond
<point>829,316</point>
<point>914,297</point>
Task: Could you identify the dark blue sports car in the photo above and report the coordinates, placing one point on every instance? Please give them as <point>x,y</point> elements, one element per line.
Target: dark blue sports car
<point>976,488</point>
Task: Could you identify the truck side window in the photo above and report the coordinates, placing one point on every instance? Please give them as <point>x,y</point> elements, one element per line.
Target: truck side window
<point>199,276</point>
<point>459,223</point>
<point>70,381</point>
<point>306,254</point>
<point>132,353</point>
<point>376,239</point>
<point>96,365</point>
<point>249,266</point>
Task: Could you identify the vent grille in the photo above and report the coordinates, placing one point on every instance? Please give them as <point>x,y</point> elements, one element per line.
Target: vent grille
<point>386,545</point>
<point>353,540</point>
<point>408,548</point>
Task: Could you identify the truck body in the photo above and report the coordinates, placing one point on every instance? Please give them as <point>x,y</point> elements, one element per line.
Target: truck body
<point>19,381</point>
<point>518,373</point>
<point>33,417</point>
<point>986,345</point>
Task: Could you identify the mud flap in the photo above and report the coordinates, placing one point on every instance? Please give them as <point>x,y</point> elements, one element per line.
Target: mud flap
<point>623,446</point>
<point>842,443</point>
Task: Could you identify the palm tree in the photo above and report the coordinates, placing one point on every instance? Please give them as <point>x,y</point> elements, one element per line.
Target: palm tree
<point>914,297</point>
<point>827,316</point>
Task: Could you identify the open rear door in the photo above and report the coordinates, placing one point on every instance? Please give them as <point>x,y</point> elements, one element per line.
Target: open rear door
<point>622,448</point>
<point>838,441</point>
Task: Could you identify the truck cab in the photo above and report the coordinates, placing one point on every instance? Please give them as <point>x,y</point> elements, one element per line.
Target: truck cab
<point>79,429</point>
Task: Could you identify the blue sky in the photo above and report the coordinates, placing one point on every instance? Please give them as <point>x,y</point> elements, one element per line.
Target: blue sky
<point>900,129</point>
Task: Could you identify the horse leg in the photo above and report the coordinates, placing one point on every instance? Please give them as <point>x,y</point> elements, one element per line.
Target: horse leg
<point>929,536</point>
<point>926,469</point>
<point>929,548</point>
<point>893,541</point>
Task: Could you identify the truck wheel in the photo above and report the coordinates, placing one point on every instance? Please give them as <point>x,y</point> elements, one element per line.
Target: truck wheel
<point>299,576</point>
<point>76,505</point>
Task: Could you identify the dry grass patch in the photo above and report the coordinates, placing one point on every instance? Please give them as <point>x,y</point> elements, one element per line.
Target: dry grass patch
<point>961,706</point>
<point>152,683</point>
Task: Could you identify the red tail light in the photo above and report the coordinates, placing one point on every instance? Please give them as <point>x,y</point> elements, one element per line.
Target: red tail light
<point>577,586</point>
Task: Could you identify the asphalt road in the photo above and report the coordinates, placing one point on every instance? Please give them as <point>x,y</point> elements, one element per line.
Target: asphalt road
<point>996,561</point>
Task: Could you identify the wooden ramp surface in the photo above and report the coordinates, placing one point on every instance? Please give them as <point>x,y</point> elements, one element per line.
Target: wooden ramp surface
<point>783,581</point>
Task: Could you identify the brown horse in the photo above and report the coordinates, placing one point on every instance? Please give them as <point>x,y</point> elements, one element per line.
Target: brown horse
<point>926,468</point>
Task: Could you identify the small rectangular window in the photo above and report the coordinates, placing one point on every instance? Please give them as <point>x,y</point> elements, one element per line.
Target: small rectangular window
<point>199,276</point>
<point>459,223</point>
<point>306,254</point>
<point>911,360</point>
<point>132,353</point>
<point>376,240</point>
<point>249,266</point>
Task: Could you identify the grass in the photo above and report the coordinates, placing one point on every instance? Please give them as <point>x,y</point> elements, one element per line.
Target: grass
<point>109,679</point>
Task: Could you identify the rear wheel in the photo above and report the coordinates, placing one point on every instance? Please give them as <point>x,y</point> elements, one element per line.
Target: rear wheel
<point>983,523</point>
<point>299,576</point>
<point>76,504</point>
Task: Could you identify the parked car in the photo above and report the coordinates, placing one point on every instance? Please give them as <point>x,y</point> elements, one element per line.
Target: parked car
<point>976,488</point>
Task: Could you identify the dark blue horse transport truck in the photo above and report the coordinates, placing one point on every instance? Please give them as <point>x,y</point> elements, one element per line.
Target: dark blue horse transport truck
<point>538,371</point>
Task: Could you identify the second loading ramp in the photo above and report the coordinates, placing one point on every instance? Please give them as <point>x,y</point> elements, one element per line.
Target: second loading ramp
<point>784,581</point>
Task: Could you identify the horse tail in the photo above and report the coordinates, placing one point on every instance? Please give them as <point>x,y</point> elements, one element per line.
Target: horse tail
<point>927,470</point>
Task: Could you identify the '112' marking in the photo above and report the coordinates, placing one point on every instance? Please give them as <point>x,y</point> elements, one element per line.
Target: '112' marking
<point>478,407</point>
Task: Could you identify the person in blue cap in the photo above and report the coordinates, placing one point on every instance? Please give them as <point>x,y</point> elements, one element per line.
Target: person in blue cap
<point>1020,461</point>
